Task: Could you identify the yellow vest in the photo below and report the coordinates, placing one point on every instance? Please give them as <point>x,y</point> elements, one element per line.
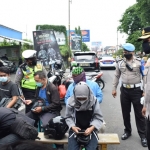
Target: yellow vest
<point>28,81</point>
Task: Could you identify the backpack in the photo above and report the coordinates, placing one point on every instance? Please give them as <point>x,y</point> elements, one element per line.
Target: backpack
<point>23,126</point>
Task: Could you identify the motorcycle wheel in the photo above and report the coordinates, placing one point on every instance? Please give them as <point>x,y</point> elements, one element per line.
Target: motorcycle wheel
<point>101,83</point>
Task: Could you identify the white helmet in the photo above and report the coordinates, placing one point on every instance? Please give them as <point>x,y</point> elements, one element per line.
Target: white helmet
<point>29,53</point>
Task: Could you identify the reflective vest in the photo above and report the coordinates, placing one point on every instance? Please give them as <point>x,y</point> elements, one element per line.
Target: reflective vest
<point>28,81</point>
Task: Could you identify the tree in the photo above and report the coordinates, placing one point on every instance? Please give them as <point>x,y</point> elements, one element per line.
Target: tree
<point>130,21</point>
<point>143,7</point>
<point>84,47</point>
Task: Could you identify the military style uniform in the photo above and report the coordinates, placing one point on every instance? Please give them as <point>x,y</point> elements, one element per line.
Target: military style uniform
<point>131,92</point>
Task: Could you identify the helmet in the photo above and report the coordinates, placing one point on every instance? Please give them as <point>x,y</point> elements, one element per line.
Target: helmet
<point>56,128</point>
<point>29,54</point>
<point>58,64</point>
<point>39,103</point>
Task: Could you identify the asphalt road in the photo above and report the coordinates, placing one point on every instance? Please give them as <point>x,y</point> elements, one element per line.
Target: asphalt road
<point>111,110</point>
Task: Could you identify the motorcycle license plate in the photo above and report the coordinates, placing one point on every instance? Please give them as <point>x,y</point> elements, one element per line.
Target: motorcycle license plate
<point>85,64</point>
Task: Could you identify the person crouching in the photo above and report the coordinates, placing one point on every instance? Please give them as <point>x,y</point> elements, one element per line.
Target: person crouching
<point>84,118</point>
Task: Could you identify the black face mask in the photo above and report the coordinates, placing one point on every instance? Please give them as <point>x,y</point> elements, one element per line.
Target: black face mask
<point>128,56</point>
<point>34,62</point>
<point>146,47</point>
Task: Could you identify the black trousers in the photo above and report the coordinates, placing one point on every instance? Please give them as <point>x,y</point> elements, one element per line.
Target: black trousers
<point>148,132</point>
<point>128,97</point>
<point>28,94</point>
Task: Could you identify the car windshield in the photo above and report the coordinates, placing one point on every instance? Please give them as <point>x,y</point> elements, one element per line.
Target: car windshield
<point>84,57</point>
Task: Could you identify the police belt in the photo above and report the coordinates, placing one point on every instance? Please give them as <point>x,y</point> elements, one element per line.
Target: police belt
<point>129,86</point>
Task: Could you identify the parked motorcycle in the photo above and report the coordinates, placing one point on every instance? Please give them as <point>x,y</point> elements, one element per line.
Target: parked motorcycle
<point>96,77</point>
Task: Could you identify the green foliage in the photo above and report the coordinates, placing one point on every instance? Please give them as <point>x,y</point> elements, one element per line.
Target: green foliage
<point>26,46</point>
<point>119,53</point>
<point>143,7</point>
<point>84,47</point>
<point>133,39</point>
<point>130,21</point>
<point>63,49</point>
<point>5,43</point>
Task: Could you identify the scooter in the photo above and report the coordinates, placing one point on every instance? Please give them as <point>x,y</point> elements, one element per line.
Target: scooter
<point>96,77</point>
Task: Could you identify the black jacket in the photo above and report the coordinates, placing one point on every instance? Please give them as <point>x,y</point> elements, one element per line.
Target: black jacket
<point>52,95</point>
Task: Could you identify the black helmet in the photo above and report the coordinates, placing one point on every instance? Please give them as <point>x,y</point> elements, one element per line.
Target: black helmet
<point>39,103</point>
<point>56,128</point>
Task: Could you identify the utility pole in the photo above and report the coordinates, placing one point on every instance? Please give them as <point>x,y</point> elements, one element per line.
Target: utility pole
<point>117,39</point>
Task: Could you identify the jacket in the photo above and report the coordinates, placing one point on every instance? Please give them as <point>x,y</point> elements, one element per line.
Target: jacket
<point>93,86</point>
<point>53,98</point>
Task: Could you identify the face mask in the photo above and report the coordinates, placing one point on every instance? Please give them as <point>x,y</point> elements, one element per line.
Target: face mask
<point>3,79</point>
<point>80,77</point>
<point>39,84</point>
<point>128,56</point>
<point>146,47</point>
<point>34,62</point>
<point>82,101</point>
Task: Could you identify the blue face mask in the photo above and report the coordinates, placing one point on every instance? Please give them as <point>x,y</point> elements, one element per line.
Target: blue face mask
<point>3,79</point>
<point>39,84</point>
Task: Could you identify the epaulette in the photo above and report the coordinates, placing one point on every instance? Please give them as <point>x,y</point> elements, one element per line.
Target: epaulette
<point>23,66</point>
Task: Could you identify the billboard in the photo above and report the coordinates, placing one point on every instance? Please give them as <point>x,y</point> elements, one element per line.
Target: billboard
<point>96,46</point>
<point>46,45</point>
<point>60,37</point>
<point>85,35</point>
<point>76,43</point>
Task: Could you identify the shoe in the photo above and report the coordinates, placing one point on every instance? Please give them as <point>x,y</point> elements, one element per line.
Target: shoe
<point>144,142</point>
<point>125,136</point>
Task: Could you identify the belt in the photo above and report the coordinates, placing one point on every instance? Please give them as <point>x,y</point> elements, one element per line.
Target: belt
<point>129,86</point>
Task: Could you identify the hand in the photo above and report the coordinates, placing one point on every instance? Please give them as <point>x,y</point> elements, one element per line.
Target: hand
<point>22,97</point>
<point>89,130</point>
<point>28,102</point>
<point>76,129</point>
<point>144,111</point>
<point>37,109</point>
<point>114,93</point>
<point>143,94</point>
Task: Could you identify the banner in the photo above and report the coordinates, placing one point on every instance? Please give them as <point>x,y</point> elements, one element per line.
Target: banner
<point>76,42</point>
<point>60,37</point>
<point>85,35</point>
<point>46,45</point>
<point>96,46</point>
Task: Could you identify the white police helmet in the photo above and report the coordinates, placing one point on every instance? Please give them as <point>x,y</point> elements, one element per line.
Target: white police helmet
<point>29,53</point>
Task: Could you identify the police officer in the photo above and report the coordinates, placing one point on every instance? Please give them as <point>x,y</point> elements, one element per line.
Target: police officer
<point>129,70</point>
<point>146,108</point>
<point>25,75</point>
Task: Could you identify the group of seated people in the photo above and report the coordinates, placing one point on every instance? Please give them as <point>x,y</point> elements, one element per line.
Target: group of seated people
<point>83,114</point>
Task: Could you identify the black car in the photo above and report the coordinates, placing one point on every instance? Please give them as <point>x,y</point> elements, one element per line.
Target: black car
<point>87,60</point>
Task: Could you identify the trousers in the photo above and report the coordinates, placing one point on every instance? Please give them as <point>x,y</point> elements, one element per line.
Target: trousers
<point>128,97</point>
<point>148,132</point>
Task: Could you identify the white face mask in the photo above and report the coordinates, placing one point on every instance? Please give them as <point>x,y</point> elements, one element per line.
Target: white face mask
<point>3,79</point>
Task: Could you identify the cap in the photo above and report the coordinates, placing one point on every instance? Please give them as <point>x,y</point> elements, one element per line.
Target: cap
<point>29,53</point>
<point>145,34</point>
<point>128,47</point>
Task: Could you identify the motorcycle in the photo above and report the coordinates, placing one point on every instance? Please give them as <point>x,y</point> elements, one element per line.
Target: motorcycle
<point>96,77</point>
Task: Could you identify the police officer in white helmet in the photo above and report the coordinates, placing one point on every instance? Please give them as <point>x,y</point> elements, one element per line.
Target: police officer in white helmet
<point>24,77</point>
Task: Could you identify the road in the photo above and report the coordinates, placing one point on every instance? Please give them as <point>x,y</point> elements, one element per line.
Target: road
<point>111,110</point>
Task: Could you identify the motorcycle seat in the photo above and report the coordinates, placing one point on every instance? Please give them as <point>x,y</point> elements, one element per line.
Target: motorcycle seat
<point>91,74</point>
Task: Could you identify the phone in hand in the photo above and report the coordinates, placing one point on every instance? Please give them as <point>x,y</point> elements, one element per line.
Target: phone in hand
<point>33,109</point>
<point>81,132</point>
<point>23,100</point>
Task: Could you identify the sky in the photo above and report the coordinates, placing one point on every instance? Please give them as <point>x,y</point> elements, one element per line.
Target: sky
<point>101,17</point>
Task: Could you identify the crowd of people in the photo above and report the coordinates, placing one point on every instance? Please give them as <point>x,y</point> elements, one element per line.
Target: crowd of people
<point>83,114</point>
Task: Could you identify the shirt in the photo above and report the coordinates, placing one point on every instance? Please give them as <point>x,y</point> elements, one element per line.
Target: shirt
<point>42,94</point>
<point>92,85</point>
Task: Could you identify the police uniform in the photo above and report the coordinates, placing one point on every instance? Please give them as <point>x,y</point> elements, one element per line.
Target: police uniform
<point>25,77</point>
<point>130,92</point>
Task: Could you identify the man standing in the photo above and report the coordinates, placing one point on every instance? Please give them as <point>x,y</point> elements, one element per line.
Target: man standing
<point>129,70</point>
<point>146,108</point>
<point>24,76</point>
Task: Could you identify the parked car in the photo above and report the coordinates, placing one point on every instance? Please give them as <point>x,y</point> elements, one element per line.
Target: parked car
<point>87,60</point>
<point>107,61</point>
